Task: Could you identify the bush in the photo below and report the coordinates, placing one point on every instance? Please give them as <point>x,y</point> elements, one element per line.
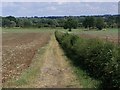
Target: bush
<point>100,59</point>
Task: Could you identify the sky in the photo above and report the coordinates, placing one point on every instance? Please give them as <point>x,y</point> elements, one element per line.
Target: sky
<point>57,8</point>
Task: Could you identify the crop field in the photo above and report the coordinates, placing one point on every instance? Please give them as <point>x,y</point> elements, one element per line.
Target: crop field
<point>107,35</point>
<point>18,50</point>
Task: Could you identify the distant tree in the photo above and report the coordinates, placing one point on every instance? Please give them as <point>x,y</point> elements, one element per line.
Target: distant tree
<point>110,22</point>
<point>61,22</point>
<point>11,18</point>
<point>70,23</point>
<point>89,22</point>
<point>80,21</point>
<point>5,22</point>
<point>51,23</point>
<point>27,23</point>
<point>117,20</point>
<point>55,23</point>
<point>0,21</point>
<point>12,24</point>
<point>20,23</point>
<point>100,23</point>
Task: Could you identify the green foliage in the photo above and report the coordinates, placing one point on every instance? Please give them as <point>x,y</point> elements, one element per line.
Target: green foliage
<point>100,23</point>
<point>100,59</point>
<point>27,23</point>
<point>0,21</point>
<point>70,23</point>
<point>6,22</point>
<point>110,21</point>
<point>89,22</point>
<point>12,24</point>
<point>11,18</point>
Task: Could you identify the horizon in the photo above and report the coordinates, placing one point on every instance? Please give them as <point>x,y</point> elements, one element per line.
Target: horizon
<point>60,16</point>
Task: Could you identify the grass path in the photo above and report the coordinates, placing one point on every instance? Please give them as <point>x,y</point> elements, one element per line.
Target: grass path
<point>50,68</point>
<point>55,71</point>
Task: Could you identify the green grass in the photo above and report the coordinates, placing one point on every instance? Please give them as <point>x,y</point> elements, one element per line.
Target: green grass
<point>109,31</point>
<point>26,30</point>
<point>85,80</point>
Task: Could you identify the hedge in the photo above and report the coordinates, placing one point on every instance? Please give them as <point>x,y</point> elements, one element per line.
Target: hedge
<point>100,59</point>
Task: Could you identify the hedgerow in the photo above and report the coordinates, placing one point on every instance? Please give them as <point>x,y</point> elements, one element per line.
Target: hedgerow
<point>100,59</point>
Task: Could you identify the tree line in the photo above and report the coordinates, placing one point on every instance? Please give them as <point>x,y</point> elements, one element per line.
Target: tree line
<point>67,22</point>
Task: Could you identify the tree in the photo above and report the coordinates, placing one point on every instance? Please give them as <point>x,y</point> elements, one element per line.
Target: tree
<point>118,21</point>
<point>0,21</point>
<point>12,24</point>
<point>27,23</point>
<point>100,23</point>
<point>89,22</point>
<point>5,22</point>
<point>8,21</point>
<point>20,22</point>
<point>70,23</point>
<point>11,18</point>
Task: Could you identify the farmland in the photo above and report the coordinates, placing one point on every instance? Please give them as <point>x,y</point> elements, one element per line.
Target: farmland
<point>22,46</point>
<point>60,45</point>
<point>29,55</point>
<point>18,50</point>
<point>109,34</point>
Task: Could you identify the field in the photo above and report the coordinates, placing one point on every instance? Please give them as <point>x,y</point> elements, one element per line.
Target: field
<point>18,50</point>
<point>110,34</point>
<point>20,46</point>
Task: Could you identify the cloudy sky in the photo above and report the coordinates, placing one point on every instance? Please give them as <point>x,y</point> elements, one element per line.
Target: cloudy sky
<point>58,8</point>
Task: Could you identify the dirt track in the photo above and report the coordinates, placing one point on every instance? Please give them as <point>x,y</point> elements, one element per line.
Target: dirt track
<point>56,70</point>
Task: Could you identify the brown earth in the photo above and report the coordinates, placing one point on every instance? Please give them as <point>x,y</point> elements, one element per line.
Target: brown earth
<point>18,50</point>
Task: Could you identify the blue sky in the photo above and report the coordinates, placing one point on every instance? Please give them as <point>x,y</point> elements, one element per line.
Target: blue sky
<point>58,8</point>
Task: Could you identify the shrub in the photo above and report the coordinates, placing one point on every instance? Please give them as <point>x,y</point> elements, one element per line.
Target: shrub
<point>100,59</point>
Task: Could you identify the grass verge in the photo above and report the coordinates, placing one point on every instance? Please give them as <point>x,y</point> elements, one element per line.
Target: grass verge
<point>85,80</point>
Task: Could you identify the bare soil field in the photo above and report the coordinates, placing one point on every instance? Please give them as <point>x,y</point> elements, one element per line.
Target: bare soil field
<point>18,50</point>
